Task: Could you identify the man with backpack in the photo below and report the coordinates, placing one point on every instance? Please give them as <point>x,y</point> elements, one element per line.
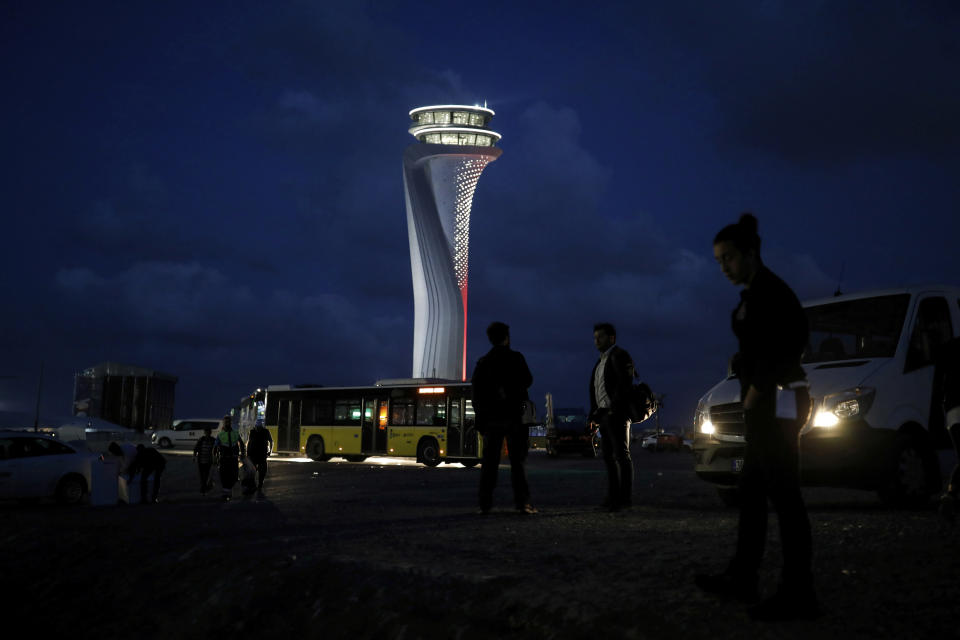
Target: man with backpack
<point>611,388</point>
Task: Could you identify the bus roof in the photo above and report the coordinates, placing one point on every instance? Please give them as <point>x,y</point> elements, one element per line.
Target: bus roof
<point>406,385</point>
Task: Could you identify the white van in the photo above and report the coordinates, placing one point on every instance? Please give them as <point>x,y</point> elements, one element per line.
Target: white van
<point>876,419</point>
<point>185,433</point>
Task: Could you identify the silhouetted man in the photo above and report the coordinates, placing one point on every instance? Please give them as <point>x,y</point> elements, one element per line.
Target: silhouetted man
<point>259,445</point>
<point>500,382</point>
<point>610,385</point>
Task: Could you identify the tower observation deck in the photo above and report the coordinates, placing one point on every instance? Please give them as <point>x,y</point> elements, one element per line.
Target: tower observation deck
<point>440,174</point>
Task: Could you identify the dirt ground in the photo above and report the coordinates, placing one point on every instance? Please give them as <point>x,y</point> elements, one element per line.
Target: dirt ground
<point>395,550</point>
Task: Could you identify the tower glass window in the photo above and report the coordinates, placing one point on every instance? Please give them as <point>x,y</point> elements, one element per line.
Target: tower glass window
<point>461,117</point>
<point>441,117</point>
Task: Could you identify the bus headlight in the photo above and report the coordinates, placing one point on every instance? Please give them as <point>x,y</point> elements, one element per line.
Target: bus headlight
<point>843,406</point>
<point>707,427</point>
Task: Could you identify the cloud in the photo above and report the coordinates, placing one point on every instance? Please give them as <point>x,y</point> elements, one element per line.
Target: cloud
<point>834,82</point>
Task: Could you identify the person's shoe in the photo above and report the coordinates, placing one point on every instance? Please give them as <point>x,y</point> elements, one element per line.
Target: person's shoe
<point>527,509</point>
<point>786,605</point>
<point>482,511</point>
<point>947,510</point>
<point>728,584</point>
<point>260,495</point>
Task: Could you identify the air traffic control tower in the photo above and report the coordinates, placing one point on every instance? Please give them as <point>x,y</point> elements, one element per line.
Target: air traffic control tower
<point>440,174</point>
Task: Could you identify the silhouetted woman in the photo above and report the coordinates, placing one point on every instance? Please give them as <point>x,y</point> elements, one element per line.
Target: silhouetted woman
<point>772,331</point>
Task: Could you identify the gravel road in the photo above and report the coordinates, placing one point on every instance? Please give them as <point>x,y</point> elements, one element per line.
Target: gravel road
<point>388,549</point>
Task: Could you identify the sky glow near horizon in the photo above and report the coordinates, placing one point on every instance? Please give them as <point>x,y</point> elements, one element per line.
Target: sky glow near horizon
<point>215,191</point>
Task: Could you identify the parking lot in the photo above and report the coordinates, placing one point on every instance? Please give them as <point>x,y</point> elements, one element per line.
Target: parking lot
<point>391,549</point>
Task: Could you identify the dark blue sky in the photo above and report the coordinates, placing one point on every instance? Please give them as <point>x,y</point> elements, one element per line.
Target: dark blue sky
<point>214,189</point>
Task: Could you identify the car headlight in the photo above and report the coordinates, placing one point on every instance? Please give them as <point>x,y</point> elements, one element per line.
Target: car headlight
<point>701,420</point>
<point>844,406</point>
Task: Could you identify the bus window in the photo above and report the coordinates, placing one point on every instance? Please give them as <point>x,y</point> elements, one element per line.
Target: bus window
<point>432,410</point>
<point>454,412</point>
<point>932,329</point>
<point>318,412</point>
<point>347,411</point>
<point>273,410</point>
<point>401,411</point>
<point>469,417</point>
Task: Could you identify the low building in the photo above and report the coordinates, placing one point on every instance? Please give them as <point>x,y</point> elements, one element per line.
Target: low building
<point>131,396</point>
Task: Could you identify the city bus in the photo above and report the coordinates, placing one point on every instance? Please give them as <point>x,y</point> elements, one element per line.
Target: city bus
<point>430,421</point>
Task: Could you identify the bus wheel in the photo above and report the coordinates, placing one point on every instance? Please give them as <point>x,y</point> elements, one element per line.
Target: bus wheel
<point>470,462</point>
<point>355,458</point>
<point>913,472</point>
<point>428,452</point>
<point>315,449</point>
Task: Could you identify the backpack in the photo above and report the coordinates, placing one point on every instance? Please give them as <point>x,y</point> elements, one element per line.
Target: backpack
<point>641,403</point>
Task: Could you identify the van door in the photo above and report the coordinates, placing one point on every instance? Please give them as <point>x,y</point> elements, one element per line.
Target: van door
<point>931,328</point>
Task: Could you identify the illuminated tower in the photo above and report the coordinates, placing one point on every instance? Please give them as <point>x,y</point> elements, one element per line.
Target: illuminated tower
<point>440,174</point>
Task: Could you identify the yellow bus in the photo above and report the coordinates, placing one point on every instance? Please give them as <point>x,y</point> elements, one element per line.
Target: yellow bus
<point>432,422</point>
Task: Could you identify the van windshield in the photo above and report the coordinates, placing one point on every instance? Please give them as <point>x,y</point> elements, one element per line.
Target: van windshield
<point>865,328</point>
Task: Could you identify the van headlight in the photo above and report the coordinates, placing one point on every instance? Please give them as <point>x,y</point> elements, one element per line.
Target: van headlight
<point>844,406</point>
<point>701,420</point>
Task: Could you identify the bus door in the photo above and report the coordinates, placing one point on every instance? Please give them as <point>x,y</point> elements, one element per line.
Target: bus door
<point>288,426</point>
<point>469,429</point>
<point>380,432</point>
<point>374,431</point>
<point>454,428</point>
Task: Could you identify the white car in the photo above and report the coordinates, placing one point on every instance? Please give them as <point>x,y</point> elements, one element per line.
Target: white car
<point>36,465</point>
<point>184,433</point>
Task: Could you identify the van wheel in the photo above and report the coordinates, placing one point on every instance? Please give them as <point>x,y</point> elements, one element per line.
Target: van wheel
<point>165,443</point>
<point>315,449</point>
<point>428,452</point>
<point>730,496</point>
<point>71,489</point>
<point>913,473</point>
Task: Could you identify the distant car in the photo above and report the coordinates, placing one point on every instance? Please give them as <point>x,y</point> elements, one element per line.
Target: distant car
<point>662,442</point>
<point>36,465</point>
<point>184,433</point>
<point>572,432</point>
